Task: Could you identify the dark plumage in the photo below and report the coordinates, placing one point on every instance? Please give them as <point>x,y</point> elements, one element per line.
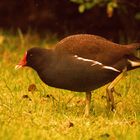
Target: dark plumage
<point>81,62</point>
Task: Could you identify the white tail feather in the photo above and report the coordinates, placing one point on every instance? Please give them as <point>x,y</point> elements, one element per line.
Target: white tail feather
<point>134,63</point>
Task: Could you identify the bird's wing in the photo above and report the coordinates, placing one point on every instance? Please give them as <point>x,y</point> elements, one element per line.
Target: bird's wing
<point>92,47</point>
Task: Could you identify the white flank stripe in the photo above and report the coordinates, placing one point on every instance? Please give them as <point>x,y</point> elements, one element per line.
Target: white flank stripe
<point>110,68</point>
<point>88,60</point>
<point>134,63</point>
<point>95,63</point>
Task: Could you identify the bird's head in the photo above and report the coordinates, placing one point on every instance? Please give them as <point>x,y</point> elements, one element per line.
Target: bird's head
<point>33,57</point>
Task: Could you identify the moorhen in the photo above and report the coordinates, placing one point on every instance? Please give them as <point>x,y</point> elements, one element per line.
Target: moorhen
<point>83,63</point>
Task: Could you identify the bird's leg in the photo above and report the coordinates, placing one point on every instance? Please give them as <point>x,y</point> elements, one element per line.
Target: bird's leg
<point>110,90</point>
<point>87,107</point>
<point>117,93</point>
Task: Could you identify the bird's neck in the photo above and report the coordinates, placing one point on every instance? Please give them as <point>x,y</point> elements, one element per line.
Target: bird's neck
<point>43,61</point>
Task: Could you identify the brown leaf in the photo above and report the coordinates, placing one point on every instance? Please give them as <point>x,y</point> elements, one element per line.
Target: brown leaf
<point>32,88</point>
<point>26,97</point>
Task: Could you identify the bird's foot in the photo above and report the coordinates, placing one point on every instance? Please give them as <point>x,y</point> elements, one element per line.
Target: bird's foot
<point>86,114</point>
<point>117,93</point>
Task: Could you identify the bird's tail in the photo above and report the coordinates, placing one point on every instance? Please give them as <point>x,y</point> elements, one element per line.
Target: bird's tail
<point>134,57</point>
<point>134,61</point>
<point>134,45</point>
<point>134,48</point>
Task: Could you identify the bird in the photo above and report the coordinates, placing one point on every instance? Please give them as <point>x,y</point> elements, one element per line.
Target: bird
<point>83,63</point>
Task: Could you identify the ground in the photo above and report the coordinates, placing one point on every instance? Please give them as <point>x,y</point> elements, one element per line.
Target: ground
<point>29,109</point>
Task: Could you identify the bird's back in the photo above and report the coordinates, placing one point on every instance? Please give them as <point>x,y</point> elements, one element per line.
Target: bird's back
<point>93,47</point>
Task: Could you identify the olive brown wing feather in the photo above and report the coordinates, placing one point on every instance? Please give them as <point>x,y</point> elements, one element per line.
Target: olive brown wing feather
<point>93,47</point>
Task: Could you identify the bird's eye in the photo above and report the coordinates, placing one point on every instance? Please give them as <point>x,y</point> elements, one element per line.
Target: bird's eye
<point>31,54</point>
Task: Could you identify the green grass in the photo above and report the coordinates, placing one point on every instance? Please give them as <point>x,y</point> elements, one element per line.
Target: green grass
<point>54,114</point>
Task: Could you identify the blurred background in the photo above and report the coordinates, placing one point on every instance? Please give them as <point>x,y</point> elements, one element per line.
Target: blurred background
<point>117,20</point>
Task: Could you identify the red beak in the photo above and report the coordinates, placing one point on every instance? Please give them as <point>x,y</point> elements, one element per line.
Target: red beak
<point>22,62</point>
